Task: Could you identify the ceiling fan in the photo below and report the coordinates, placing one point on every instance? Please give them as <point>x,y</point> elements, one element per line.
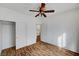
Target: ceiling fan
<point>42,10</point>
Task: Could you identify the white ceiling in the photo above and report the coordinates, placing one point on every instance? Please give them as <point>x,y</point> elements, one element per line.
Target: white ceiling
<point>24,7</point>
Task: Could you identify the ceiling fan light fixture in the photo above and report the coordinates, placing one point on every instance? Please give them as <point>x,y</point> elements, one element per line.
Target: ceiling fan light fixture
<point>42,10</point>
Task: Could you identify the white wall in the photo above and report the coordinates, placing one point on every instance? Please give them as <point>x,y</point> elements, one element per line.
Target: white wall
<point>25,26</point>
<point>64,27</point>
<point>25,34</point>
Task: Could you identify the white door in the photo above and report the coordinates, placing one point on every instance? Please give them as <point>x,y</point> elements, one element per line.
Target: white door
<point>8,34</point>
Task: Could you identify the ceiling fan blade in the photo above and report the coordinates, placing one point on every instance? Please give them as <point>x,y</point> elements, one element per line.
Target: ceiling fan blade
<point>49,11</point>
<point>34,10</point>
<point>37,15</point>
<point>44,15</point>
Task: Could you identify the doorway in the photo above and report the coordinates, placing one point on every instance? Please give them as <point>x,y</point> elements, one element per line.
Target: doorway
<point>38,32</point>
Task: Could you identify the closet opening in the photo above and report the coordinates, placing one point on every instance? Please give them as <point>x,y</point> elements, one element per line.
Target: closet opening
<point>7,37</point>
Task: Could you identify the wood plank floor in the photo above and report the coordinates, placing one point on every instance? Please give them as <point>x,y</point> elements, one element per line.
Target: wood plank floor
<point>39,49</point>
<point>9,52</point>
